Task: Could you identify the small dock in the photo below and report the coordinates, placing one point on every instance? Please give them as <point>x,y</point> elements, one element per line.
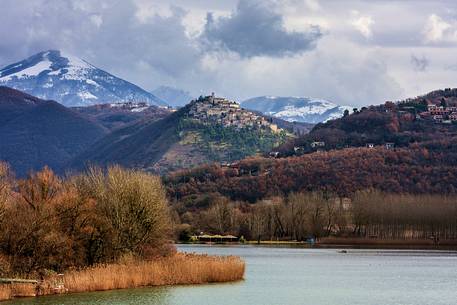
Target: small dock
<point>17,281</point>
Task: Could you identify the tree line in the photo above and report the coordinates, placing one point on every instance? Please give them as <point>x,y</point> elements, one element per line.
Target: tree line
<point>300,216</point>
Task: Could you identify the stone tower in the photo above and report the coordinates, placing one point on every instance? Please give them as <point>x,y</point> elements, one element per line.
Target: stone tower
<point>211,99</point>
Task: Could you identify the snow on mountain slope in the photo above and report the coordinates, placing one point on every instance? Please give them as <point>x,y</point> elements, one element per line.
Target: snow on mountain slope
<point>71,81</point>
<point>298,109</point>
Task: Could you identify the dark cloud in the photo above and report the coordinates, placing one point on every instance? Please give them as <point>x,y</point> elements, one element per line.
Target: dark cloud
<point>419,64</point>
<point>255,29</point>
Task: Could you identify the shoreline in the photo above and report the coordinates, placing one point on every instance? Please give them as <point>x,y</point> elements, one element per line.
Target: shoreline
<point>351,243</point>
<point>178,269</point>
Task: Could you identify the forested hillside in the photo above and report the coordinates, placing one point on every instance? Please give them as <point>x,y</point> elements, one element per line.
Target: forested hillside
<point>343,172</point>
<point>403,124</point>
<point>186,138</point>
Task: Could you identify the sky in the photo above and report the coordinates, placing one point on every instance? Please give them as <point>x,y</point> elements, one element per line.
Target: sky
<point>352,52</point>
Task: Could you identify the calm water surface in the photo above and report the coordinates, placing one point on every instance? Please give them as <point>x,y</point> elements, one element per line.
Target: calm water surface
<point>293,276</point>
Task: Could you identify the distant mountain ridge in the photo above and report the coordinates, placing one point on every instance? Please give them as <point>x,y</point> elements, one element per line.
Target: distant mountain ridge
<point>299,109</point>
<point>71,81</point>
<point>35,132</point>
<point>118,115</point>
<point>173,96</point>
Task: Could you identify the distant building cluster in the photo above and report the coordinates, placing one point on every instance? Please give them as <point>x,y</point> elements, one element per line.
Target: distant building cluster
<point>132,106</point>
<point>213,109</point>
<point>440,114</point>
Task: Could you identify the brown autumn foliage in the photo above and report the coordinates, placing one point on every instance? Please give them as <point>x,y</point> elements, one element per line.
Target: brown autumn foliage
<point>49,223</point>
<point>368,214</point>
<point>415,170</point>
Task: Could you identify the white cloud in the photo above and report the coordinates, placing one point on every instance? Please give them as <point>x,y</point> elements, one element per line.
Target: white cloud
<point>362,24</point>
<point>438,30</point>
<point>97,20</point>
<point>313,5</point>
<point>147,10</point>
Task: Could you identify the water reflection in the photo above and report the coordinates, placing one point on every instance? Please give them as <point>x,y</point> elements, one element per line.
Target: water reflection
<point>150,296</point>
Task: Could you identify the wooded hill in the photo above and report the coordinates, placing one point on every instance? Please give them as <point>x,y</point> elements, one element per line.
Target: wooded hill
<point>178,141</point>
<point>400,124</point>
<point>412,170</point>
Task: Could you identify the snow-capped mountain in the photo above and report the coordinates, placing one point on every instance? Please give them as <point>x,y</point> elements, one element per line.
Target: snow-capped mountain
<point>172,96</point>
<point>71,81</point>
<point>298,109</point>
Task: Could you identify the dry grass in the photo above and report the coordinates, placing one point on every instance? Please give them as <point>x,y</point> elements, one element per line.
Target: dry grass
<point>5,292</point>
<point>178,269</point>
<point>9,291</point>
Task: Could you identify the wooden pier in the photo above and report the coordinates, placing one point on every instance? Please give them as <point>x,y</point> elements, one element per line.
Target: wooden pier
<point>17,281</point>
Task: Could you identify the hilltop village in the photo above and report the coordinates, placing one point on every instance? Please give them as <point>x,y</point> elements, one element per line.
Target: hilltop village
<point>438,106</point>
<point>440,113</point>
<point>211,109</point>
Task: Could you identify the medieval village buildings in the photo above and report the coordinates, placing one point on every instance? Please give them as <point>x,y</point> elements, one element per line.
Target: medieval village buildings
<point>213,109</point>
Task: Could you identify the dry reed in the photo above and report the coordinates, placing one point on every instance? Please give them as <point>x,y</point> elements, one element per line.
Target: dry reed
<point>16,290</point>
<point>5,292</point>
<point>178,269</point>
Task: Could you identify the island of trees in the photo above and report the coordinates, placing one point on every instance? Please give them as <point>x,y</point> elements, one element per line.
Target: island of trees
<point>99,230</point>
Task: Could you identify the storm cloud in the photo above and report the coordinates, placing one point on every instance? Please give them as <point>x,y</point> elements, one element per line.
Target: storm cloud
<point>255,29</point>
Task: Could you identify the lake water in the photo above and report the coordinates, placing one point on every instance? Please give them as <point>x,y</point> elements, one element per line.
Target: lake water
<point>295,276</point>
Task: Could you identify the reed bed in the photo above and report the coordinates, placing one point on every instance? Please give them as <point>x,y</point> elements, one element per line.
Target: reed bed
<point>179,269</point>
<point>5,292</point>
<point>9,291</point>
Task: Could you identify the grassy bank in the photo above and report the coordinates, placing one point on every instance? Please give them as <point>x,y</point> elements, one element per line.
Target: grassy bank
<point>179,269</point>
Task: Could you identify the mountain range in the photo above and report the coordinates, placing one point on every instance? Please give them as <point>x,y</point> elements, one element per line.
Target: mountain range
<point>71,81</point>
<point>35,133</point>
<point>70,113</point>
<point>298,109</point>
<point>118,115</point>
<point>172,96</point>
